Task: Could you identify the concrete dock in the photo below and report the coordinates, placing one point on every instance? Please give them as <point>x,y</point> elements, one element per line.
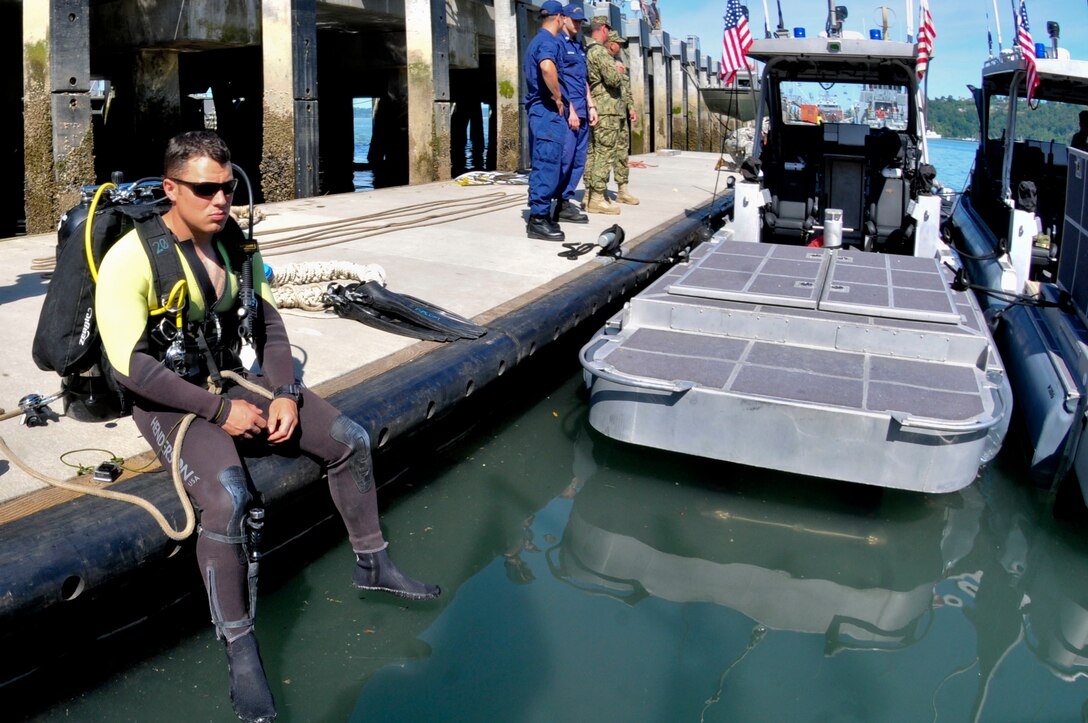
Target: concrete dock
<point>461,247</point>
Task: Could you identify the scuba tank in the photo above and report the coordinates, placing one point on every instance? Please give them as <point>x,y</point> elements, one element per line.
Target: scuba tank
<point>66,340</point>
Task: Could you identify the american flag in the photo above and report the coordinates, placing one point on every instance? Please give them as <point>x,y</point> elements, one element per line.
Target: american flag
<point>926,34</point>
<point>1027,47</point>
<point>735,43</point>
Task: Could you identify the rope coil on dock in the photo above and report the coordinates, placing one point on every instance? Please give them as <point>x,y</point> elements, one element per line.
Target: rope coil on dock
<point>301,285</point>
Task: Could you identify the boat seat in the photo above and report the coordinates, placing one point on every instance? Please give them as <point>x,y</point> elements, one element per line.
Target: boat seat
<point>792,211</point>
<point>886,217</point>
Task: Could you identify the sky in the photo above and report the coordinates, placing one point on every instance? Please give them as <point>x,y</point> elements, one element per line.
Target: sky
<point>961,28</point>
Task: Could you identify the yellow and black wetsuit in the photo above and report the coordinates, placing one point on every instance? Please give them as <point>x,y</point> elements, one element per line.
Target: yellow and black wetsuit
<point>211,464</point>
<point>125,324</point>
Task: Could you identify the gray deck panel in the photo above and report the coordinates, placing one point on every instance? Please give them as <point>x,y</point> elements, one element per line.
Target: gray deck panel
<point>824,361</point>
<point>936,404</point>
<point>919,280</point>
<point>706,372</point>
<point>700,345</point>
<point>798,386</point>
<point>923,374</point>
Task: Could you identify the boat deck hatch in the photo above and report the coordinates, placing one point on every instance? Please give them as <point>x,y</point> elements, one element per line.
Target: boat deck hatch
<point>888,286</point>
<point>758,274</point>
<point>850,282</point>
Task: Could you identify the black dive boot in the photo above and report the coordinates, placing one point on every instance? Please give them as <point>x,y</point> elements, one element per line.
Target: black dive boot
<point>569,212</point>
<point>375,571</point>
<point>542,227</point>
<point>249,692</point>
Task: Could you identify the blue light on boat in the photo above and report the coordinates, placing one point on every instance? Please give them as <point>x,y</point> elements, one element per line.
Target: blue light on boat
<point>876,34</point>
<point>798,32</point>
<point>1040,50</point>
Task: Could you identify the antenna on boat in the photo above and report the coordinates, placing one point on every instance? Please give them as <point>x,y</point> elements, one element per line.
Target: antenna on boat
<point>997,24</point>
<point>910,23</point>
<point>766,20</point>
<point>835,15</point>
<point>781,32</point>
<point>887,19</point>
<point>989,36</point>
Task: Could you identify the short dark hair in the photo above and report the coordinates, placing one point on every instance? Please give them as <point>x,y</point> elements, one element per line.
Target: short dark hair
<point>194,144</point>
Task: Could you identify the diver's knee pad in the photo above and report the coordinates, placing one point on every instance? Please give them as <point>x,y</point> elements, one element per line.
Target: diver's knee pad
<point>233,480</point>
<point>349,433</point>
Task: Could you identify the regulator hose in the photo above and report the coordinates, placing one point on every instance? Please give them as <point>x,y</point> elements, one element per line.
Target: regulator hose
<point>175,470</point>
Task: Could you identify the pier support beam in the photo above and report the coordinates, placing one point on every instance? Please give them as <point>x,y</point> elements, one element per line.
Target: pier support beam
<point>510,126</point>
<point>638,52</point>
<point>58,138</point>
<point>289,155</point>
<point>692,82</point>
<point>659,42</point>
<point>156,113</point>
<point>706,133</point>
<point>678,53</point>
<point>427,38</point>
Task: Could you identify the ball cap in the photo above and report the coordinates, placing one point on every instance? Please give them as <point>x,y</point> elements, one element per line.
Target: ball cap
<point>600,21</point>
<point>574,12</point>
<point>614,37</point>
<point>551,7</point>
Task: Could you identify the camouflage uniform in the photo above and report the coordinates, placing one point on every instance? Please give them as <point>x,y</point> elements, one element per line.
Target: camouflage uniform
<point>606,85</point>
<point>620,169</point>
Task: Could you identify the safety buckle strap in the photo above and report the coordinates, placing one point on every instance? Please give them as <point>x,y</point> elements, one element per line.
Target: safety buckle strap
<point>228,539</point>
<point>233,624</point>
<point>209,358</point>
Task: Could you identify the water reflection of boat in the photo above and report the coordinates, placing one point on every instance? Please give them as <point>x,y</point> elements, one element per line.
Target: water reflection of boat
<point>821,333</point>
<point>830,569</point>
<point>1021,225</point>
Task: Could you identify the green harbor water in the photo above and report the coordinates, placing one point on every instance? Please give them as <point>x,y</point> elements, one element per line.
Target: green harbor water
<point>585,579</point>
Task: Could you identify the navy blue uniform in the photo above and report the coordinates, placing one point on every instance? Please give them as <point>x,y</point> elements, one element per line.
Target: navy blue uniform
<point>549,131</point>
<point>573,77</point>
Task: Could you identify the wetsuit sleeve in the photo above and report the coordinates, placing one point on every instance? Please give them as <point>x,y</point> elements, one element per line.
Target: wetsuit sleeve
<point>276,362</point>
<point>123,295</point>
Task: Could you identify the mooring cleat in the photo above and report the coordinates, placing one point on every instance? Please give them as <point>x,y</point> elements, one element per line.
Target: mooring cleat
<point>375,571</point>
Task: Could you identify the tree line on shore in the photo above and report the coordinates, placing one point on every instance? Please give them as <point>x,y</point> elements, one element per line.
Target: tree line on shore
<point>957,118</point>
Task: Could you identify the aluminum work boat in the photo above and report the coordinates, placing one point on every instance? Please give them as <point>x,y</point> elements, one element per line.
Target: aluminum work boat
<point>821,331</point>
<point>1021,225</point>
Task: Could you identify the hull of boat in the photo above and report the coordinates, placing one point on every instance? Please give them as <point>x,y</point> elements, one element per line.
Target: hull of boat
<point>910,398</point>
<point>1044,348</point>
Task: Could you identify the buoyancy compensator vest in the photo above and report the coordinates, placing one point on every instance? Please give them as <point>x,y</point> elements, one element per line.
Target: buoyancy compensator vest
<point>67,341</point>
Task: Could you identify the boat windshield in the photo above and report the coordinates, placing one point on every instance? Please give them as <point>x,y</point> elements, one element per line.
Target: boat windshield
<point>877,106</point>
<point>1049,122</point>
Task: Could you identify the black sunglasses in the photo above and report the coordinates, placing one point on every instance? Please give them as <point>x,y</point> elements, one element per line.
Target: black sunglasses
<point>208,189</point>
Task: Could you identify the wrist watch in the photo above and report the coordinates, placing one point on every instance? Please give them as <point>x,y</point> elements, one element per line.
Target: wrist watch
<point>289,391</point>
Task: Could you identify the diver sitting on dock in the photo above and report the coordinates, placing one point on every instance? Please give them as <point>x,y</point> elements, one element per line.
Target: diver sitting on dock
<point>166,366</point>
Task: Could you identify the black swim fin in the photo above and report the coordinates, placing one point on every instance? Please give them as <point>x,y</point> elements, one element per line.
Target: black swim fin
<point>372,304</point>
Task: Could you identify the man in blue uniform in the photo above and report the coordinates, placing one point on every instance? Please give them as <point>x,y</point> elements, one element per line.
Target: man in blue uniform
<point>547,112</point>
<point>580,115</point>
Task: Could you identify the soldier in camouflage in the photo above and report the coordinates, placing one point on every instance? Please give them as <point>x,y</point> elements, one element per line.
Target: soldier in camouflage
<point>606,94</point>
<point>615,44</point>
